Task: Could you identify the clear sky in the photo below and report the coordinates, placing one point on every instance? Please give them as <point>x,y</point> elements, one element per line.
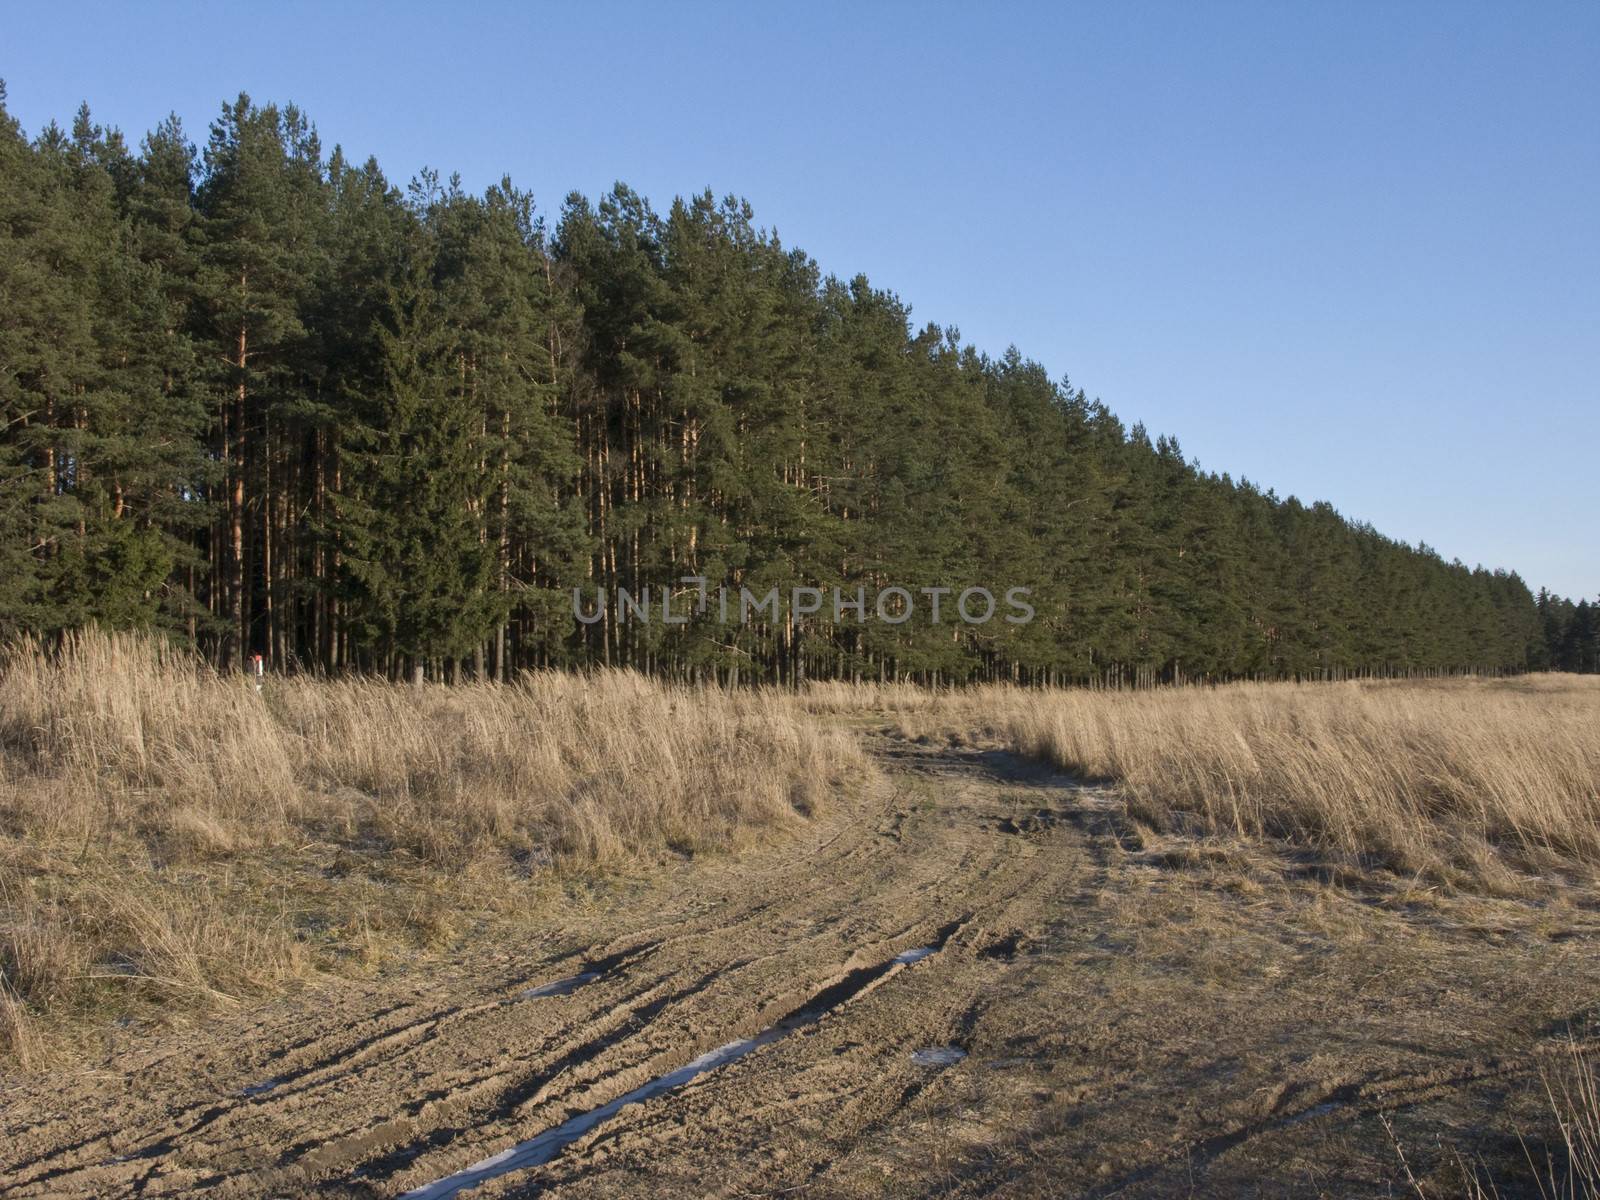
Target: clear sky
<point>1350,251</point>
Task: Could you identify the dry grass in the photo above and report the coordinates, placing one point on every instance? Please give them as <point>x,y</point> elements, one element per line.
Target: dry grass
<point>1474,781</point>
<point>168,833</point>
<point>1572,1172</point>
<point>1560,1154</point>
<point>834,696</point>
<point>1441,778</point>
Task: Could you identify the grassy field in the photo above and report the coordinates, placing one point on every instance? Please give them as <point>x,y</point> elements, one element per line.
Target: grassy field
<point>1223,943</point>
<point>1489,784</point>
<point>170,836</point>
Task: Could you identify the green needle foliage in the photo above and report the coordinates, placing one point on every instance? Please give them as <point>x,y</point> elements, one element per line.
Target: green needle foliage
<point>260,398</point>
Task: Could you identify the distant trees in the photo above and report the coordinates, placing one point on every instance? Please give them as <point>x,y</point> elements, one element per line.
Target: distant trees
<point>1567,637</point>
<point>100,424</point>
<point>259,397</point>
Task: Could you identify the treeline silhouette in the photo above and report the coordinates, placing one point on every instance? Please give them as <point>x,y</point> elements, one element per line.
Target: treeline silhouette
<point>1570,636</point>
<point>257,396</point>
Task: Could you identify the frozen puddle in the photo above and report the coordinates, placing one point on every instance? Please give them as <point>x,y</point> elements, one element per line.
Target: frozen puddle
<point>260,1089</point>
<point>1311,1114</point>
<point>561,987</point>
<point>548,1144</point>
<point>591,970</point>
<point>938,1056</point>
<point>541,1149</point>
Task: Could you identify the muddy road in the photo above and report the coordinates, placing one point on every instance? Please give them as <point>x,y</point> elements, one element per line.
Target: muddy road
<point>973,980</point>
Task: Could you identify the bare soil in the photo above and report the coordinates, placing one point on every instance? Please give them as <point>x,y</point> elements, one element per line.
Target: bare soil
<point>1139,1017</point>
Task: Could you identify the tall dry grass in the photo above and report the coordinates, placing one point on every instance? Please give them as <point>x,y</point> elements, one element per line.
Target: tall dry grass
<point>1572,1086</point>
<point>151,808</point>
<point>839,697</point>
<point>1472,778</point>
<point>1560,1157</point>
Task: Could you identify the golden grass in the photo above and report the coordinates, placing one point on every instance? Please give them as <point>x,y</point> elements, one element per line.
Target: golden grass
<point>1469,780</point>
<point>168,832</point>
<point>1572,1172</point>
<point>1560,1153</point>
<point>833,696</point>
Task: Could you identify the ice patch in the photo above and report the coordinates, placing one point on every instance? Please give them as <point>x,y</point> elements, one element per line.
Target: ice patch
<point>561,987</point>
<point>938,1056</point>
<point>541,1149</point>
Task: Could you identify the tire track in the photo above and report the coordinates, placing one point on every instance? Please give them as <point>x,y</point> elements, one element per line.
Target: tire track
<point>377,1096</point>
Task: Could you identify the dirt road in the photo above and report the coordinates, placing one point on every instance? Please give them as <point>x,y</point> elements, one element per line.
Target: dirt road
<point>972,980</point>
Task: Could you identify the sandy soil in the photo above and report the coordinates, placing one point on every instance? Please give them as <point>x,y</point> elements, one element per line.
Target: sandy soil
<point>1137,1019</point>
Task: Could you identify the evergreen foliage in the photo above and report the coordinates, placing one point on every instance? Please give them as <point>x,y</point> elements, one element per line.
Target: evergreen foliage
<point>260,398</point>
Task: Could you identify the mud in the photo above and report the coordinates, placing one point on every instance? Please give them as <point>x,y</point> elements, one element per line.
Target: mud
<point>1100,1021</point>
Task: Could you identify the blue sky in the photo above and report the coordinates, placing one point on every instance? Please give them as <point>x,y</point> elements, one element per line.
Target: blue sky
<point>1351,251</point>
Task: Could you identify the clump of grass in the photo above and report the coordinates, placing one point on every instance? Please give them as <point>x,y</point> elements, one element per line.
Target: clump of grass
<point>897,699</point>
<point>1566,1164</point>
<point>1573,1091</point>
<point>1470,781</point>
<point>155,814</point>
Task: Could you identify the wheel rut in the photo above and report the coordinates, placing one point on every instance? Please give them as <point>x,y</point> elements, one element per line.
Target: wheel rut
<point>924,966</point>
<point>380,1101</point>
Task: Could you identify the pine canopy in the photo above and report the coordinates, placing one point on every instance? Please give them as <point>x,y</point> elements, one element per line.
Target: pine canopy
<point>260,398</point>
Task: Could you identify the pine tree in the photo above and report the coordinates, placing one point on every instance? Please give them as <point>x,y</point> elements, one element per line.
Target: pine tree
<point>259,204</point>
<point>31,519</point>
<point>270,404</point>
<point>422,580</point>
